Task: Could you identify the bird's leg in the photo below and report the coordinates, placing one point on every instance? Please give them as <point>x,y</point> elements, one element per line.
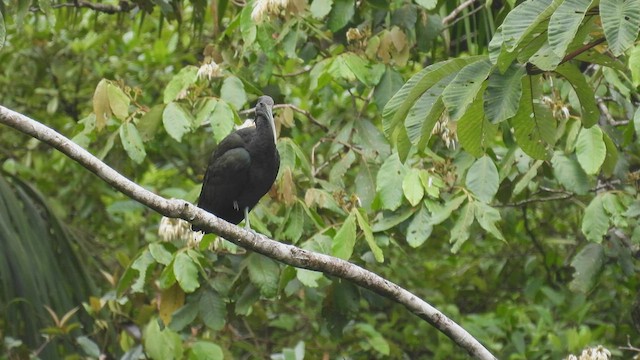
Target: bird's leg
<point>235,205</point>
<point>246,219</point>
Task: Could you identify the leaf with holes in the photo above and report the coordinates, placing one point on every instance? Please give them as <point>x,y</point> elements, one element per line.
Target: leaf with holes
<point>621,22</point>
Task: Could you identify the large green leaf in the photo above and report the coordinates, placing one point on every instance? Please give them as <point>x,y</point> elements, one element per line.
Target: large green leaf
<point>461,229</point>
<point>588,264</point>
<point>475,132</point>
<point>180,82</point>
<point>524,18</point>
<point>464,88</point>
<point>363,224</point>
<point>419,228</point>
<point>595,222</point>
<point>264,273</point>
<point>534,126</point>
<point>488,217</point>
<point>426,111</point>
<point>397,108</point>
<point>341,12</point>
<point>564,24</point>
<point>320,8</point>
<point>412,187</point>
<point>162,344</point>
<point>570,174</point>
<point>390,83</point>
<point>389,180</point>
<point>233,92</point>
<point>186,272</point>
<point>482,179</point>
<point>591,149</point>
<point>132,142</point>
<point>176,121</point>
<point>212,309</point>
<point>203,350</point>
<point>611,160</point>
<point>503,94</point>
<point>118,102</point>
<point>586,96</point>
<point>621,22</point>
<point>345,238</point>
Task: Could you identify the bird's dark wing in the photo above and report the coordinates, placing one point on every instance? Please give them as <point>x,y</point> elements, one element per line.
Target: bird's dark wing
<point>226,176</point>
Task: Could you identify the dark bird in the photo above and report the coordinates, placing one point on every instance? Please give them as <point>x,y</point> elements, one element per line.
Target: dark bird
<point>242,168</point>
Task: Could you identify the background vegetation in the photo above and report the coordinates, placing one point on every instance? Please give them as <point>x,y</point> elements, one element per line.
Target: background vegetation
<point>481,154</point>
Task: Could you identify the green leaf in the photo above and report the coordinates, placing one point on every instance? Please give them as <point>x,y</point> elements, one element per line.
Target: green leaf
<point>176,121</point>
<point>611,160</point>
<point>162,344</point>
<point>569,173</point>
<point>527,178</point>
<point>160,254</point>
<point>132,142</point>
<point>320,8</point>
<point>503,93</point>
<point>3,31</point>
<point>475,132</point>
<point>221,120</point>
<point>636,122</point>
<point>233,92</point>
<point>595,222</point>
<point>419,228</point>
<point>212,309</point>
<point>426,111</point>
<point>391,219</point>
<point>141,264</point>
<point>427,4</point>
<point>341,12</point>
<point>460,231</point>
<point>523,20</point>
<point>150,122</point>
<point>441,213</point>
<point>101,104</point>
<point>374,338</point>
<point>264,273</point>
<point>634,65</point>
<point>89,347</point>
<point>186,272</point>
<point>588,264</point>
<point>397,108</point>
<point>184,316</point>
<point>180,82</point>
<point>363,224</point>
<point>308,278</point>
<point>412,187</point>
<point>118,102</point>
<point>345,239</point>
<point>621,22</point>
<point>487,217</point>
<point>390,83</point>
<point>483,179</point>
<point>591,149</point>
<point>390,176</point>
<point>534,126</point>
<point>204,350</point>
<point>248,28</point>
<point>465,87</point>
<point>362,69</point>
<point>564,24</point>
<point>586,96</point>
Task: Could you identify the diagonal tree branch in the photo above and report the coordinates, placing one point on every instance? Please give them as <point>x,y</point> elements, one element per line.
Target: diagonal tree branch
<point>250,240</point>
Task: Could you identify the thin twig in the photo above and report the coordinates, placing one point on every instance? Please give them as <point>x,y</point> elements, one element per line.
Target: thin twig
<point>534,70</point>
<point>305,69</point>
<point>285,253</point>
<point>536,200</point>
<point>457,11</point>
<point>123,6</point>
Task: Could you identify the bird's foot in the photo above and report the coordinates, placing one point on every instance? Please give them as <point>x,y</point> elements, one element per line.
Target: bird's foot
<point>246,219</point>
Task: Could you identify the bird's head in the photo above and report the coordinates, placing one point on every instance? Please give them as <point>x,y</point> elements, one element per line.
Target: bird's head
<point>264,108</point>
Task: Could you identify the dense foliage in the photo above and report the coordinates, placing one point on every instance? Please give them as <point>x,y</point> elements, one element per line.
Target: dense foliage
<point>482,155</point>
